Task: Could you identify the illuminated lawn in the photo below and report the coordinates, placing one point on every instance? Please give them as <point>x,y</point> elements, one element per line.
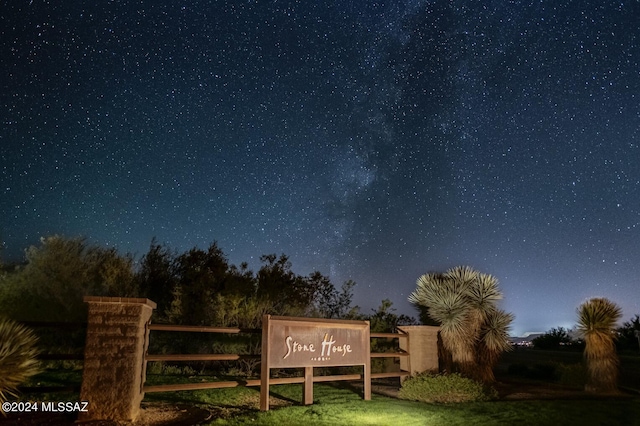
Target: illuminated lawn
<point>344,406</point>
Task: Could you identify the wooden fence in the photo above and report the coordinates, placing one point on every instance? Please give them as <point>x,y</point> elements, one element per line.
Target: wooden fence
<point>116,353</point>
<point>236,357</point>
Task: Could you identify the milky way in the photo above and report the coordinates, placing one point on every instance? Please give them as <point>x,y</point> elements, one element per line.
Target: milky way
<point>371,141</point>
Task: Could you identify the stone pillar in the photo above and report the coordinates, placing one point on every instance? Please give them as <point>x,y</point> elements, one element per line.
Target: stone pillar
<point>422,348</point>
<point>114,365</point>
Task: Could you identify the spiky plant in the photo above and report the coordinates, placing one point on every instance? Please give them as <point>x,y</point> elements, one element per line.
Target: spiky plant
<point>17,357</point>
<point>597,319</point>
<point>472,328</point>
<point>447,305</point>
<point>494,340</point>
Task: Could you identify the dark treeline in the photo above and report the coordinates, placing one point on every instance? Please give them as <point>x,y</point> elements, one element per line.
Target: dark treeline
<point>197,287</point>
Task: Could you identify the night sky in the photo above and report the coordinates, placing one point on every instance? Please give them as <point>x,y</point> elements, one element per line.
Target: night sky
<point>373,141</point>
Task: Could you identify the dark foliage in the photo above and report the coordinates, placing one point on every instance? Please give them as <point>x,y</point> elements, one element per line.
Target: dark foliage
<point>629,335</point>
<point>156,276</point>
<point>553,339</point>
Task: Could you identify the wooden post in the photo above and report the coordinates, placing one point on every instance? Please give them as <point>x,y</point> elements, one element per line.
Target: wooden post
<point>408,360</point>
<point>264,365</point>
<point>307,391</point>
<point>367,369</point>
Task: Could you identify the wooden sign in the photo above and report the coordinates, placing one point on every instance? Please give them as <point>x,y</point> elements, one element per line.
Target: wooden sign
<point>291,342</point>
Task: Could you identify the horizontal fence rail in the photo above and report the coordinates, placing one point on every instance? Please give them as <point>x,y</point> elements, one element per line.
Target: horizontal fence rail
<point>200,357</point>
<point>236,357</point>
<point>256,382</point>
<point>389,354</point>
<point>203,329</point>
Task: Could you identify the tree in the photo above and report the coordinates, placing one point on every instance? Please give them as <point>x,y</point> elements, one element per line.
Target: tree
<point>289,293</point>
<point>552,339</point>
<point>59,273</point>
<point>156,277</point>
<point>473,329</point>
<point>200,275</point>
<point>629,334</point>
<point>596,321</point>
<point>240,281</point>
<point>385,320</point>
<point>330,302</point>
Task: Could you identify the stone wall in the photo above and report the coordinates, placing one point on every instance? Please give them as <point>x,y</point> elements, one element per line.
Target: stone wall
<point>114,366</point>
<point>422,347</point>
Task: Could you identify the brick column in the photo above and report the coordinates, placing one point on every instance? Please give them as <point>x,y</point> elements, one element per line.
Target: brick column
<point>114,366</point>
<point>423,348</point>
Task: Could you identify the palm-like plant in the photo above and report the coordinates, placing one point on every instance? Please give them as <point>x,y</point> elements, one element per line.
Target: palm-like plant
<point>473,329</point>
<point>494,340</point>
<point>17,357</point>
<point>596,323</point>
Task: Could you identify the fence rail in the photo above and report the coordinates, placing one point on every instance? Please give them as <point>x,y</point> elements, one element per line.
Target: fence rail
<point>204,357</point>
<point>256,382</point>
<point>200,357</point>
<point>203,329</point>
<point>236,357</point>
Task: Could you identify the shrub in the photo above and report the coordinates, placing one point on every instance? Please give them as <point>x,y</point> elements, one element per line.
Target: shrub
<point>17,357</point>
<point>596,320</point>
<point>441,388</point>
<point>57,275</point>
<point>553,339</point>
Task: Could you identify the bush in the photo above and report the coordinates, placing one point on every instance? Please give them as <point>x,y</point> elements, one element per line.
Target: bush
<point>17,357</point>
<point>58,273</point>
<point>440,388</point>
<point>553,339</point>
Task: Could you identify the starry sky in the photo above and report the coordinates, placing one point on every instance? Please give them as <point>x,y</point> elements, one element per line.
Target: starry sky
<point>370,140</point>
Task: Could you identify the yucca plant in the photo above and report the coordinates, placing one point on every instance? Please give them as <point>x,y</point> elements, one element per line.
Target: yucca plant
<point>18,354</point>
<point>494,340</point>
<point>464,303</point>
<point>597,319</point>
<point>447,304</point>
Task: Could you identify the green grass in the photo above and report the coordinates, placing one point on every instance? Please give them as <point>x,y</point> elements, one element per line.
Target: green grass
<point>54,377</point>
<point>629,377</point>
<point>341,404</point>
<point>344,406</point>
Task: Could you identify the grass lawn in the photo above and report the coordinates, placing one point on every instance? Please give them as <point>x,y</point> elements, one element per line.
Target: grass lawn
<point>343,405</point>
